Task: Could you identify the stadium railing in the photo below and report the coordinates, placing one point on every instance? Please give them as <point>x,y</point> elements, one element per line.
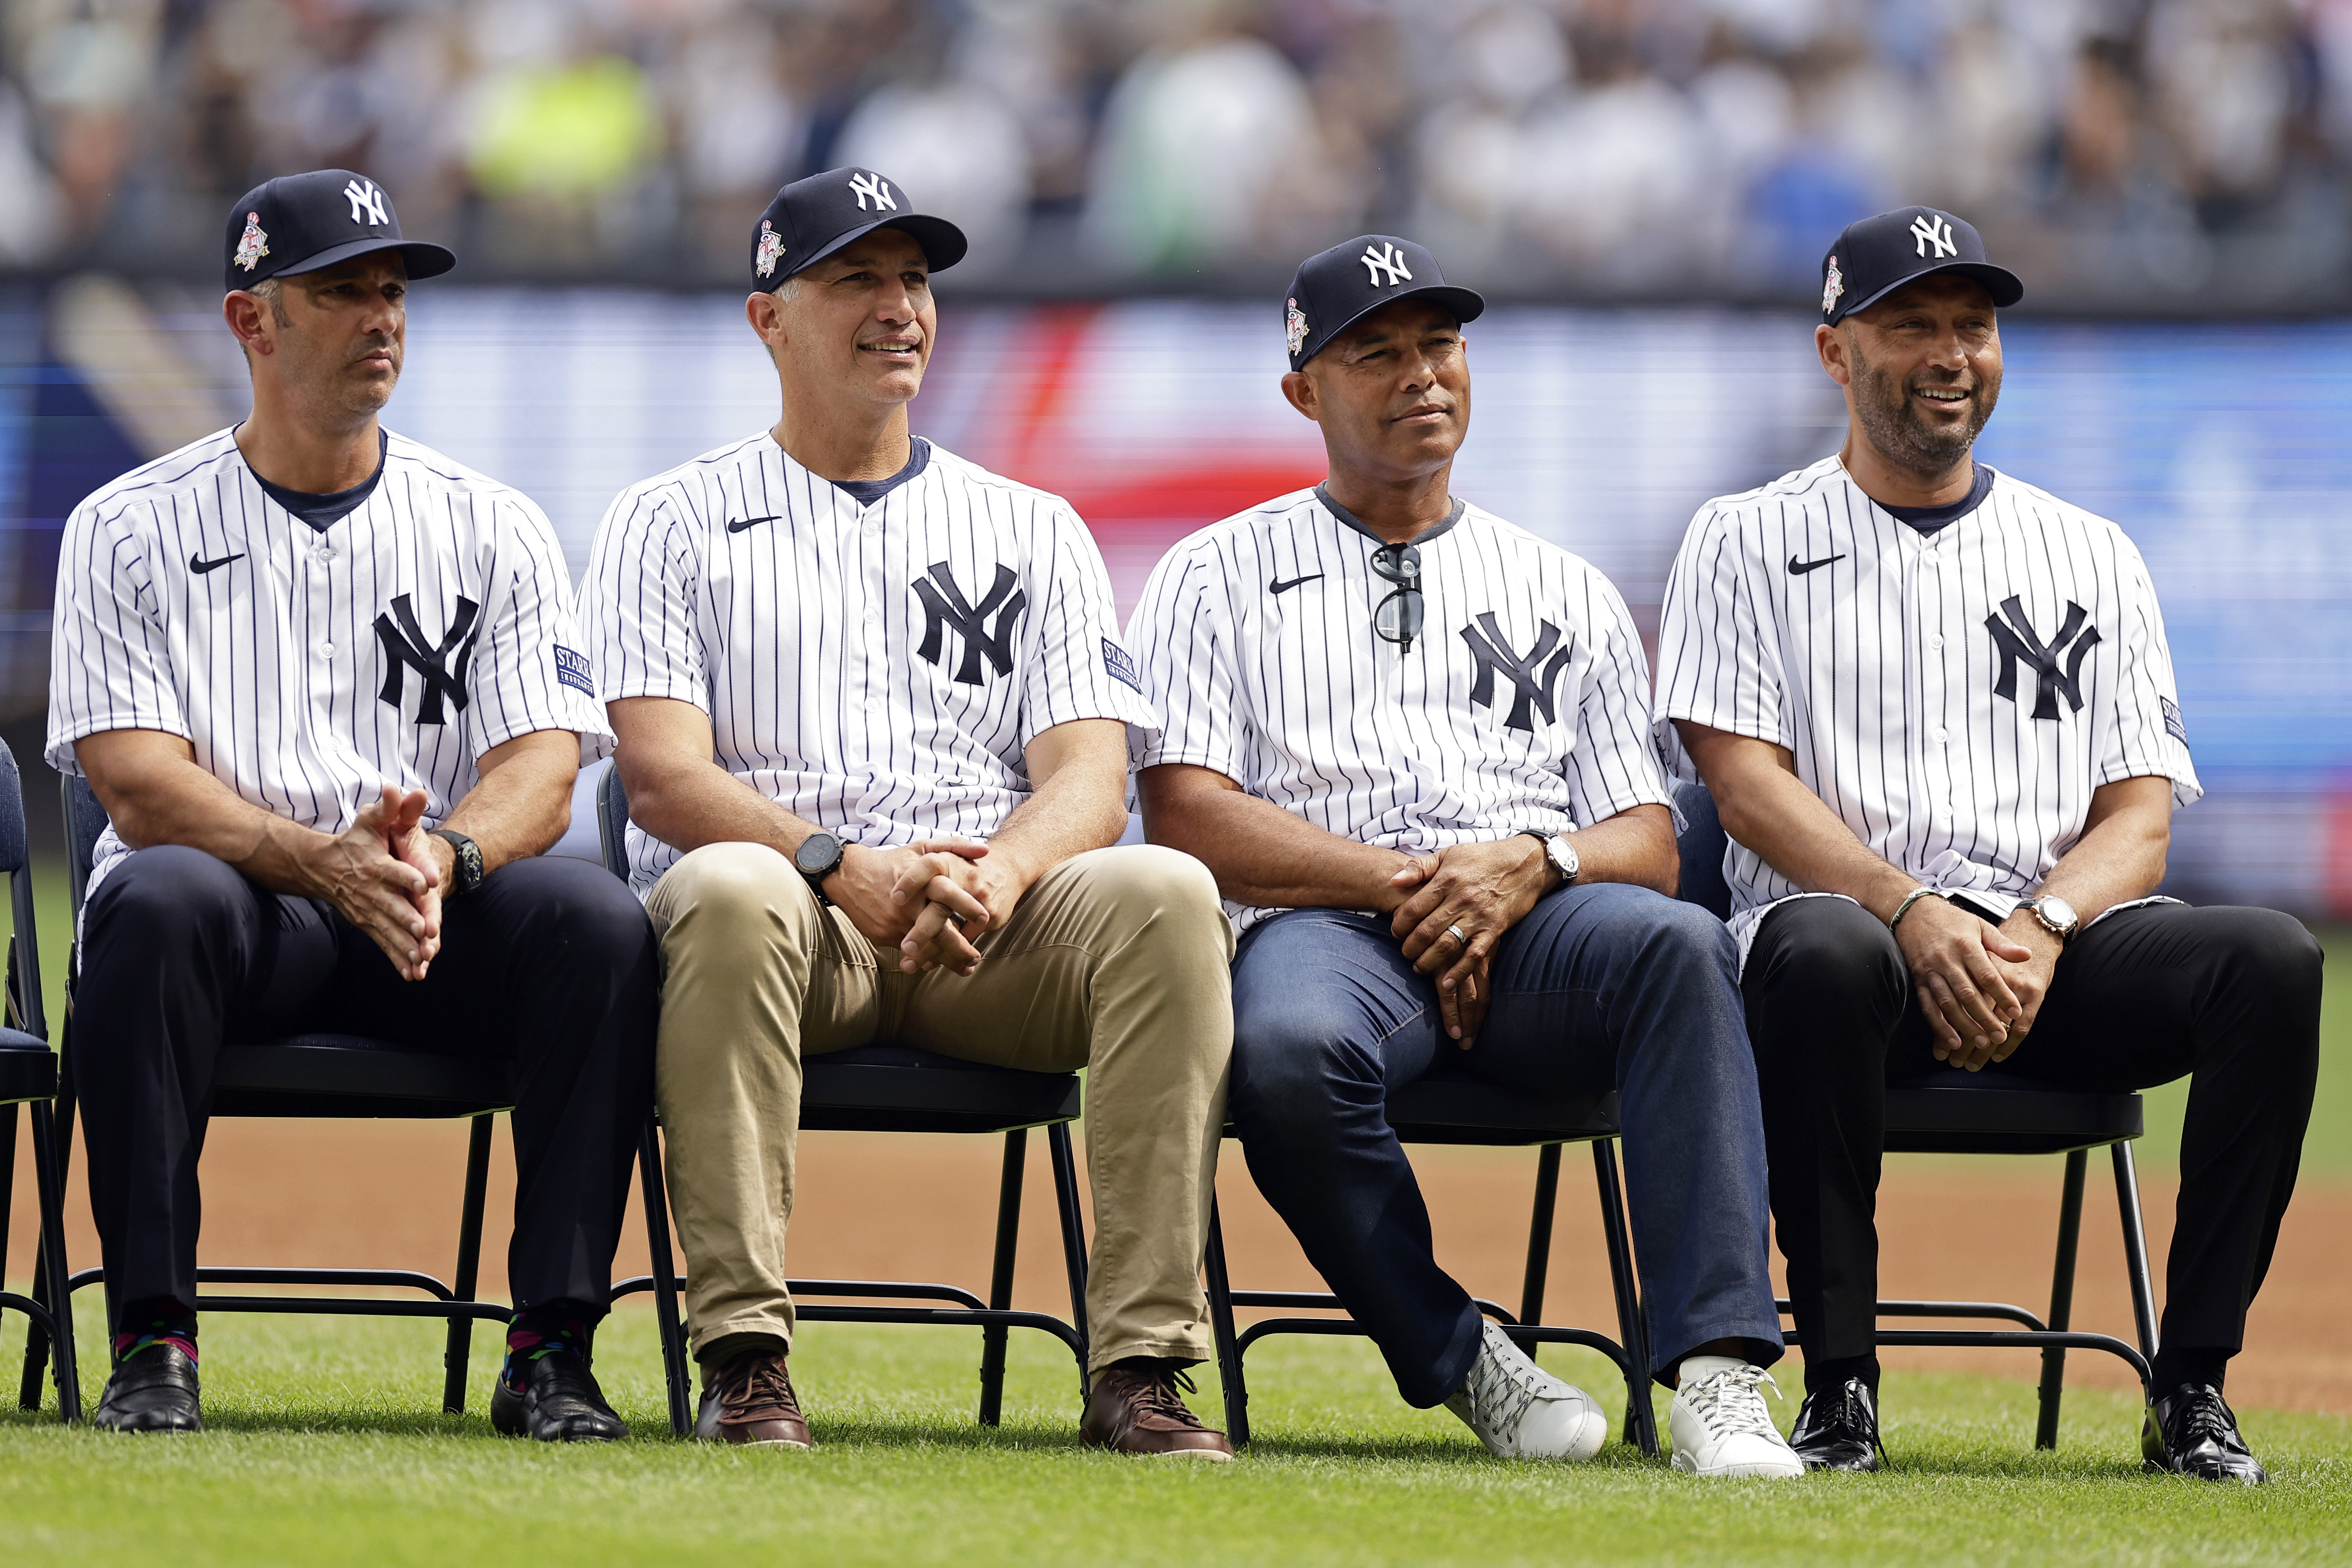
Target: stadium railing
<point>352,1076</point>
<point>889,1088</point>
<point>29,1076</point>
<point>1987,1113</point>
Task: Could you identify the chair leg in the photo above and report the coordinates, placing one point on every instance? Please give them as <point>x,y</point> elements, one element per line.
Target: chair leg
<point>992,1339</point>
<point>675,1373</point>
<point>1539,1235</point>
<point>2062,1297</point>
<point>49,1163</point>
<point>469,1266</point>
<point>1641,1419</point>
<point>2136,1251</point>
<point>1073,1233</point>
<point>1221,1326</point>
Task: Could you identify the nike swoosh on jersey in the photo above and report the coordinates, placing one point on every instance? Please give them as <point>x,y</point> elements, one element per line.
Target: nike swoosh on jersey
<point>199,565</point>
<point>740,523</point>
<point>1284,586</point>
<point>1798,568</point>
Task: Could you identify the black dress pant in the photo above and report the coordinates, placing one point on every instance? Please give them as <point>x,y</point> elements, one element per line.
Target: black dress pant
<point>2228,997</point>
<point>550,962</point>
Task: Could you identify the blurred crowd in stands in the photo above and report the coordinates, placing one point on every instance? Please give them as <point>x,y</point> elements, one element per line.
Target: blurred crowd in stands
<point>2119,151</point>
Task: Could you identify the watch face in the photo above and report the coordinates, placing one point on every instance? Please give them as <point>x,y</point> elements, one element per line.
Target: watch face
<point>1563,855</point>
<point>818,853</point>
<point>2056,912</point>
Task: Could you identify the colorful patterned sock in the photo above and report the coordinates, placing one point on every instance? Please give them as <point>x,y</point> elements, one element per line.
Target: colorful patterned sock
<point>150,1323</point>
<point>539,1331</point>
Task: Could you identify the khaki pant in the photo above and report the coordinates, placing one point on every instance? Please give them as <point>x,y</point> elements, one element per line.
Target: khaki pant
<point>1118,961</point>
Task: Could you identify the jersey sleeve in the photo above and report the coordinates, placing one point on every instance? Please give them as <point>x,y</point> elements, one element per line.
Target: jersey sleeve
<point>2144,734</point>
<point>1716,664</point>
<point>1181,645</point>
<point>639,600</point>
<point>1613,766</point>
<point>109,661</point>
<point>1082,670</point>
<point>528,671</point>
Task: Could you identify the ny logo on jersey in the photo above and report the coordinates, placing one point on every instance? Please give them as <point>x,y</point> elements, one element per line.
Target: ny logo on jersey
<point>367,203</point>
<point>406,648</point>
<point>873,186</point>
<point>945,607</point>
<point>2013,638</point>
<point>1388,258</point>
<point>1534,686</point>
<point>1929,229</point>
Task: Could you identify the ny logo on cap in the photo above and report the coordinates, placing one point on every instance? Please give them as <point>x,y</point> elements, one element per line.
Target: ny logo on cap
<point>367,203</point>
<point>1929,229</point>
<point>873,186</point>
<point>1388,258</point>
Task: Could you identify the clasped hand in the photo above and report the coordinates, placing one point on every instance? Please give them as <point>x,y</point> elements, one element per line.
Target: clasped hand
<point>1980,986</point>
<point>1479,890</point>
<point>932,900</point>
<point>379,874</point>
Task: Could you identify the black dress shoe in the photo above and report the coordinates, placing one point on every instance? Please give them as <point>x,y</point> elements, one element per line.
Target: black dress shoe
<point>154,1391</point>
<point>1837,1429</point>
<point>2192,1431</point>
<point>559,1402</point>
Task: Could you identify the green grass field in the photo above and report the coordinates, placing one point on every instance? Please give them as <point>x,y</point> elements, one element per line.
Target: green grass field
<point>322,1451</point>
<point>327,1447</point>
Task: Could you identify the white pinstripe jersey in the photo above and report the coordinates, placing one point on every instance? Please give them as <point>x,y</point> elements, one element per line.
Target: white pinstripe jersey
<point>1955,697</point>
<point>1524,704</point>
<point>306,668</point>
<point>874,670</point>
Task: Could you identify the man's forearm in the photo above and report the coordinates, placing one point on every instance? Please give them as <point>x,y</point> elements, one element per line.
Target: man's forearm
<point>689,803</point>
<point>1068,814</point>
<point>1263,855</point>
<point>2121,854</point>
<point>523,806</point>
<point>172,801</point>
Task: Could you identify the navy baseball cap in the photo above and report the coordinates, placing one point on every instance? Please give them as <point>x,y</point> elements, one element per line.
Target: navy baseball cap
<point>300,222</point>
<point>1879,255</point>
<point>812,218</point>
<point>1337,288</point>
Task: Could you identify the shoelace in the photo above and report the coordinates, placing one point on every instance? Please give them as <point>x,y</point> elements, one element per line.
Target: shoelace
<point>1158,1393</point>
<point>1728,1403</point>
<point>764,1386</point>
<point>1500,1387</point>
<point>2203,1414</point>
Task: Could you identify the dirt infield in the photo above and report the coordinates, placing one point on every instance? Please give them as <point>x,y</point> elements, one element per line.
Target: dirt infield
<point>386,1195</point>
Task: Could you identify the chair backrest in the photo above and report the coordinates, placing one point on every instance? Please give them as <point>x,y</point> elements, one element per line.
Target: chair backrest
<point>85,821</point>
<point>1702,843</point>
<point>24,980</point>
<point>612,822</point>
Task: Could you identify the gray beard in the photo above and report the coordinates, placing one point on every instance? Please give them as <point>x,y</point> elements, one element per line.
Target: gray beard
<point>1900,436</point>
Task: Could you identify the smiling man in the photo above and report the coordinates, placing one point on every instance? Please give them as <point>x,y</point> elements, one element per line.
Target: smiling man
<point>326,684</point>
<point>1412,741</point>
<point>1938,714</point>
<point>873,716</point>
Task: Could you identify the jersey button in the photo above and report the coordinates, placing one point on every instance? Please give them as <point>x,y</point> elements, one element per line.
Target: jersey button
<point>1936,642</point>
<point>1942,735</point>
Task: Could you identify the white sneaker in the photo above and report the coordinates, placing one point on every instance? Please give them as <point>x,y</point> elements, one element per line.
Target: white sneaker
<point>1522,1412</point>
<point>1720,1426</point>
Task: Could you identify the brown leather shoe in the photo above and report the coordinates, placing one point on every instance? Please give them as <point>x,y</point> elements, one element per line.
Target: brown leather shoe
<point>751,1402</point>
<point>1134,1409</point>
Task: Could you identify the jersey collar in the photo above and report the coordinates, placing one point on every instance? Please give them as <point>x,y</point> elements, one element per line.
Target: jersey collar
<point>1323,494</point>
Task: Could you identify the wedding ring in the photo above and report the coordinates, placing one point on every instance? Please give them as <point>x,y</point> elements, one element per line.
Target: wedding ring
<point>1456,932</point>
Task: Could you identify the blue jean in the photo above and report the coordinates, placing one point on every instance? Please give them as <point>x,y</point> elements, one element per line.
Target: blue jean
<point>1601,985</point>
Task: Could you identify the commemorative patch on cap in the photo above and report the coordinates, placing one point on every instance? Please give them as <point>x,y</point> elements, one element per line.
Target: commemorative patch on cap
<point>772,245</point>
<point>252,244</point>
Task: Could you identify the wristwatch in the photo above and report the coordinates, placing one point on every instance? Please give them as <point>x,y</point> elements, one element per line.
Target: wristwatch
<point>819,856</point>
<point>2056,915</point>
<point>1561,853</point>
<point>468,869</point>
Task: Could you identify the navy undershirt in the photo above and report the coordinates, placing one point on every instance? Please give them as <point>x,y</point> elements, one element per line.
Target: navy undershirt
<point>865,493</point>
<point>322,512</point>
<point>1928,519</point>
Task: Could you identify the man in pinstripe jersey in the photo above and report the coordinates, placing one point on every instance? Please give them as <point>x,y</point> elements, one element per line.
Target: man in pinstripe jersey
<point>1938,714</point>
<point>872,713</point>
<point>326,684</point>
<point>1412,743</point>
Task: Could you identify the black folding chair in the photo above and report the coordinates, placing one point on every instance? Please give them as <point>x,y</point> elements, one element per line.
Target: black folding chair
<point>1452,1108</point>
<point>887,1087</point>
<point>29,1076</point>
<point>353,1076</point>
<point>1983,1113</point>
